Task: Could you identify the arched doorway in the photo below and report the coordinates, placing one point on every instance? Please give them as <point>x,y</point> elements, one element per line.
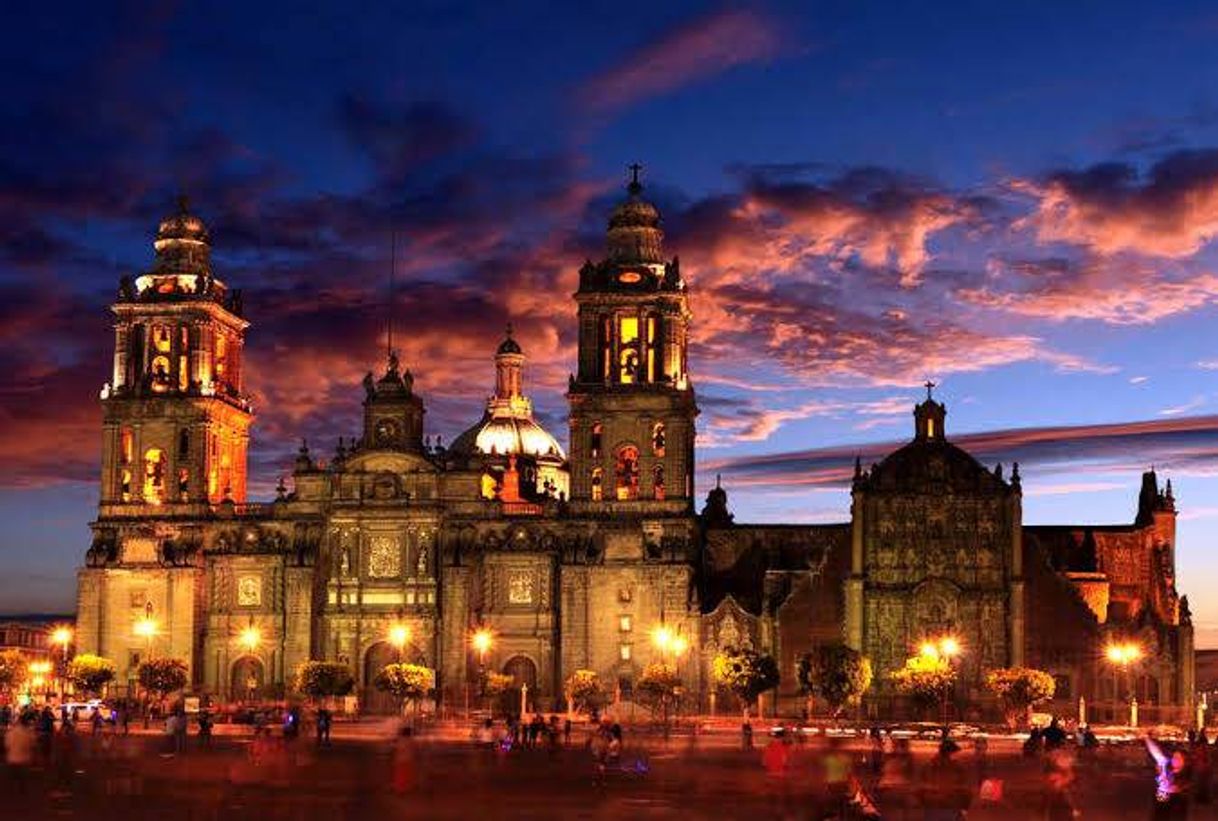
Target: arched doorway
<point>248,678</point>
<point>378,656</point>
<point>523,671</point>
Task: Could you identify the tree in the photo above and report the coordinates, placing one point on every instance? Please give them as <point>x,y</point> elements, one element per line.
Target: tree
<point>496,688</point>
<point>658,688</point>
<point>162,676</point>
<point>322,679</point>
<point>1020,689</point>
<point>409,682</point>
<point>926,679</point>
<point>583,689</point>
<point>836,673</point>
<point>89,673</point>
<point>746,673</point>
<point>12,670</point>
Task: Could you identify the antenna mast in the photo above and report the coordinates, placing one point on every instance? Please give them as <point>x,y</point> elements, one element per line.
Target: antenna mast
<point>393,267</point>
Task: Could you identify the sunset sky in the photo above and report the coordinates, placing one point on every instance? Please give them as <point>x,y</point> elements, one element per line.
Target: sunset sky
<point>1016,200</point>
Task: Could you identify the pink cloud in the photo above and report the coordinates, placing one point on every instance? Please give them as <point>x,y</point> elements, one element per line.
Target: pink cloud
<point>702,48</point>
<point>1171,211</point>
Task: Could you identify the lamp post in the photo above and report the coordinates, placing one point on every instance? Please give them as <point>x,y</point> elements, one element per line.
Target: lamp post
<point>399,636</point>
<point>481,642</point>
<point>62,636</point>
<point>249,640</point>
<point>666,641</point>
<point>945,648</point>
<point>147,628</point>
<point>1122,655</point>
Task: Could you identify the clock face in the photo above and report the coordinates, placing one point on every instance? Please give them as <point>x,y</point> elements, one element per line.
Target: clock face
<point>629,277</point>
<point>386,431</point>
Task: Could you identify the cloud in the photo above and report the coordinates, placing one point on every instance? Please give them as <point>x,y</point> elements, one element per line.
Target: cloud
<point>1117,292</point>
<point>1170,211</point>
<point>732,420</point>
<point>694,51</point>
<point>1183,445</point>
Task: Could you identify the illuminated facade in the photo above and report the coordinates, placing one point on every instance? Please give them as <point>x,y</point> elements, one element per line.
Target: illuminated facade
<point>396,547</point>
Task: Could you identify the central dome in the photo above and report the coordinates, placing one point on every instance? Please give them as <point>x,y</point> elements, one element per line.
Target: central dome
<point>512,435</point>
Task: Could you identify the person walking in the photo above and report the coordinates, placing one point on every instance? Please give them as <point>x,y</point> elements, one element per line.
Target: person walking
<point>1203,766</point>
<point>324,718</point>
<point>1171,783</point>
<point>1058,802</point>
<point>945,792</point>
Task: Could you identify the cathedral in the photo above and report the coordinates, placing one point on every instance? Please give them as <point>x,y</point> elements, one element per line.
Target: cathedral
<point>571,559</point>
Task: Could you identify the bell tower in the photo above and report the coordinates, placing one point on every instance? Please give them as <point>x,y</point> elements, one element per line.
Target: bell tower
<point>176,419</point>
<point>632,407</point>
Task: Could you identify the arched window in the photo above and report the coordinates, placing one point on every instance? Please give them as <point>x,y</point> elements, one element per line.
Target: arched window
<point>657,481</point>
<point>128,446</point>
<point>597,484</point>
<point>183,444</point>
<point>628,472</point>
<point>628,350</point>
<point>154,476</point>
<point>657,439</point>
<point>598,432</point>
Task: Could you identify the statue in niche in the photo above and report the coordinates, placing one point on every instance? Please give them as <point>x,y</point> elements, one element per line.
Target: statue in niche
<point>421,565</point>
<point>344,562</point>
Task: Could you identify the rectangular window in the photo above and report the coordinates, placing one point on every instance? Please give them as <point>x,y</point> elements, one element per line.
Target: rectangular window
<point>624,652</point>
<point>623,624</point>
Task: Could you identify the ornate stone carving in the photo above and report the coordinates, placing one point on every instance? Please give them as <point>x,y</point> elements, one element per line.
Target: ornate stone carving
<point>249,590</point>
<point>384,556</point>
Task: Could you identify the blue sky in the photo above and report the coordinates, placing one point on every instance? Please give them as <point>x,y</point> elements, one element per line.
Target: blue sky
<point>1018,201</point>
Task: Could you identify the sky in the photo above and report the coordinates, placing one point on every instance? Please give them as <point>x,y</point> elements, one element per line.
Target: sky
<point>1018,201</point>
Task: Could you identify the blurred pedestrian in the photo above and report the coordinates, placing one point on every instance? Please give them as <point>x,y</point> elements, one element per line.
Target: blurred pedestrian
<point>324,719</point>
<point>945,792</point>
<point>1058,802</point>
<point>1203,767</point>
<point>1171,782</point>
<point>403,762</point>
<point>746,735</point>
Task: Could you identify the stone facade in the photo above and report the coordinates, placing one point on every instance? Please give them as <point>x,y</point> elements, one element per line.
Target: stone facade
<point>569,559</point>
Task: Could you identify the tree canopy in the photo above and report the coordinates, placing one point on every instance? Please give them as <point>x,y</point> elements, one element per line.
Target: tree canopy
<point>1019,689</point>
<point>90,673</point>
<point>746,673</point>
<point>583,688</point>
<point>409,682</point>
<point>838,674</point>
<point>320,679</point>
<point>162,676</point>
<point>926,679</point>
<point>13,670</point>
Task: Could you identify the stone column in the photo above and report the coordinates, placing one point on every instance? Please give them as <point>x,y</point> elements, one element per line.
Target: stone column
<point>854,585</point>
<point>1017,623</point>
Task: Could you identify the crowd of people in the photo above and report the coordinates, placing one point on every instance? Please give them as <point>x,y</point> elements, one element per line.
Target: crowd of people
<point>887,781</point>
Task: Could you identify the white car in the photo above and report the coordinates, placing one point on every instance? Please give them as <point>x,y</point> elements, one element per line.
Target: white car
<point>83,710</point>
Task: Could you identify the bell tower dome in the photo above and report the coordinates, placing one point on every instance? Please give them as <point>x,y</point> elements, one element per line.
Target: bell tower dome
<point>632,407</point>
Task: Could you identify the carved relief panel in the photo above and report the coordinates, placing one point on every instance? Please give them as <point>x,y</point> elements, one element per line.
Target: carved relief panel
<point>384,555</point>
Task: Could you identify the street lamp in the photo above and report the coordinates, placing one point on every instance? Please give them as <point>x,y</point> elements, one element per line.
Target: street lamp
<point>399,635</point>
<point>1121,655</point>
<point>945,648</point>
<point>62,636</point>
<point>147,629</point>
<point>250,636</point>
<point>481,642</point>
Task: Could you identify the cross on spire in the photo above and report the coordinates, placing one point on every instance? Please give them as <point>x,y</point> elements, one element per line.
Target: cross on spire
<point>635,186</point>
<point>930,386</point>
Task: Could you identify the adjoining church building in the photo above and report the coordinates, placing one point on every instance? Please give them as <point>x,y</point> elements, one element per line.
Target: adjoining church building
<point>571,558</point>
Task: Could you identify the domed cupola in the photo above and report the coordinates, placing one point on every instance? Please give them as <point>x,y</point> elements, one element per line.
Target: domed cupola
<point>508,433</point>
<point>182,244</point>
<point>635,236</point>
